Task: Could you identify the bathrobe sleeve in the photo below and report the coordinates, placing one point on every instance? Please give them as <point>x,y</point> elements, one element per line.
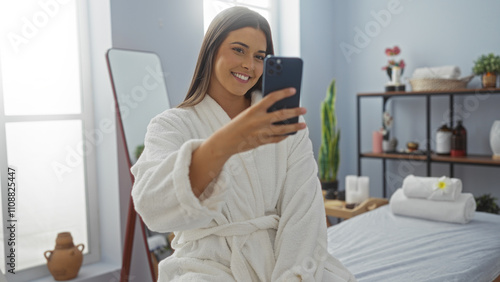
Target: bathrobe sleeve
<point>162,192</point>
<point>301,245</point>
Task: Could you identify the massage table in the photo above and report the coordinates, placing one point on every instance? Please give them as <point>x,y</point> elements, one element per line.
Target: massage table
<point>380,246</point>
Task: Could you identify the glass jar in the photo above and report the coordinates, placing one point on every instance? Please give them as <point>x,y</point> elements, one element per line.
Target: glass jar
<point>443,140</point>
<point>459,141</point>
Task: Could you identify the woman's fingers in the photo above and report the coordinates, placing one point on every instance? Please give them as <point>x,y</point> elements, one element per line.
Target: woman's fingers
<point>275,96</point>
<point>283,129</point>
<point>285,114</point>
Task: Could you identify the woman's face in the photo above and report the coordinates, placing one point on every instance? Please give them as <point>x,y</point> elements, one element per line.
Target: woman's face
<point>238,63</point>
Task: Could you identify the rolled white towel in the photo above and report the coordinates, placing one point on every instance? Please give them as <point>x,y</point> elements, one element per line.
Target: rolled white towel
<point>449,72</point>
<point>428,188</point>
<point>460,211</point>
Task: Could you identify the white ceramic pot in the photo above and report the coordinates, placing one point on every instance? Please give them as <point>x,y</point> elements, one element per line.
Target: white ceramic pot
<point>396,75</point>
<point>495,139</point>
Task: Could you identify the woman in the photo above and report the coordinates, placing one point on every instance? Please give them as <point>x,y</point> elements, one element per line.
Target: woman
<point>242,197</point>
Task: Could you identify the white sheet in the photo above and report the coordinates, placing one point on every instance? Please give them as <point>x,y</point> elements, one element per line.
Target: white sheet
<point>381,246</point>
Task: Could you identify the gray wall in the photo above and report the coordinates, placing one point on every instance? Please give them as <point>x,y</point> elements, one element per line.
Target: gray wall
<point>429,33</point>
<point>172,29</point>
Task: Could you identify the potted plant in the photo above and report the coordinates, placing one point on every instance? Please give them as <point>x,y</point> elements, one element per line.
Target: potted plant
<point>486,203</point>
<point>329,157</point>
<point>394,70</point>
<point>488,66</point>
<point>138,151</point>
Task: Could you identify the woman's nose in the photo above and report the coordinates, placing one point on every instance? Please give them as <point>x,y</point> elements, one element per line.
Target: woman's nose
<point>248,63</point>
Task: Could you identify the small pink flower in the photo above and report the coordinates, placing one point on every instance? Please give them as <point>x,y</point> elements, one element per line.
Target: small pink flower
<point>388,52</point>
<point>396,50</point>
<point>402,64</point>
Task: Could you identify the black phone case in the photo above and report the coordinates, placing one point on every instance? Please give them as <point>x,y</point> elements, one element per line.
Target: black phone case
<point>279,73</point>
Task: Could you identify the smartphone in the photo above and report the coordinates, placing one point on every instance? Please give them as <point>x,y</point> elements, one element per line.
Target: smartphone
<point>280,73</point>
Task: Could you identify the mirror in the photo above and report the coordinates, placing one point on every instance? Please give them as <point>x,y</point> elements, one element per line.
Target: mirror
<point>140,94</point>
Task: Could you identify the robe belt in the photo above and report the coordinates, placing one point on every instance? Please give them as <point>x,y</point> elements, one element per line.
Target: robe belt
<point>239,231</point>
<point>232,229</point>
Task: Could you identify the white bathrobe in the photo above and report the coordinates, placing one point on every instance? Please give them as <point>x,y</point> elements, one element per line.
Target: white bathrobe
<point>261,219</point>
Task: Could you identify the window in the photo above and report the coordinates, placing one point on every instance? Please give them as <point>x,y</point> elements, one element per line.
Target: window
<point>45,131</point>
<point>282,15</point>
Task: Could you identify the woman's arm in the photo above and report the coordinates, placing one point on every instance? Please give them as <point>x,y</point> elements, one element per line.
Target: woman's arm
<point>250,129</point>
<point>173,171</point>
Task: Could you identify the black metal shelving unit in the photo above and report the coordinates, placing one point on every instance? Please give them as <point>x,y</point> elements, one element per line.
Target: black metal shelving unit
<point>429,158</point>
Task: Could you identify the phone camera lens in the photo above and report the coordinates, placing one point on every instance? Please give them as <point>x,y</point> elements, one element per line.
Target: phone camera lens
<point>278,67</point>
<point>271,72</point>
<point>271,63</point>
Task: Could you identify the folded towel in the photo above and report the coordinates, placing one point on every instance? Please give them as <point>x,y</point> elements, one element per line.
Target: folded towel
<point>449,72</point>
<point>432,188</point>
<point>460,211</point>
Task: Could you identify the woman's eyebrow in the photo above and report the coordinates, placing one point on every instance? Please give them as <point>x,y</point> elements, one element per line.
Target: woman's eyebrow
<point>246,46</point>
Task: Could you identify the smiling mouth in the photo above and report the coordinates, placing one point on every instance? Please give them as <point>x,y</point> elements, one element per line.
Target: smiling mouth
<point>241,76</point>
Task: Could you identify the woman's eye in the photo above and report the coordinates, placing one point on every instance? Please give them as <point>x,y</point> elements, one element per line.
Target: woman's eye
<point>260,58</point>
<point>237,49</point>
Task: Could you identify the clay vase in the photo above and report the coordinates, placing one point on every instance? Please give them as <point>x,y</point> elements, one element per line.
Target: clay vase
<point>65,260</point>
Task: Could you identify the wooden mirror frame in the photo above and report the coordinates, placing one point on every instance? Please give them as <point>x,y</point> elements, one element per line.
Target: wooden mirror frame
<point>132,214</point>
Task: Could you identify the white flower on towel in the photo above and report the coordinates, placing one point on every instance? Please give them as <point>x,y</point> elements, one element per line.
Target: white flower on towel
<point>442,184</point>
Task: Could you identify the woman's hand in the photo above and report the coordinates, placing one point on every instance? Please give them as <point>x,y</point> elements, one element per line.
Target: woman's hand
<point>248,130</point>
<point>255,126</point>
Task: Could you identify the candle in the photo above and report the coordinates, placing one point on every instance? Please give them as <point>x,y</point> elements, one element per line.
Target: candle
<point>363,188</point>
<point>377,142</point>
<point>351,189</point>
<point>357,189</point>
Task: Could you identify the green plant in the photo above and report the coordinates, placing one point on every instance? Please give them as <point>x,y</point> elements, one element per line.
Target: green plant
<point>138,151</point>
<point>486,203</point>
<point>329,157</point>
<point>487,63</point>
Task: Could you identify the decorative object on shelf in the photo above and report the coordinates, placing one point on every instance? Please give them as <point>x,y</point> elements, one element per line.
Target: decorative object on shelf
<point>377,138</point>
<point>486,203</point>
<point>329,155</point>
<point>443,140</point>
<point>393,144</point>
<point>411,146</point>
<point>438,78</point>
<point>388,144</point>
<point>357,189</point>
<point>459,141</point>
<point>488,67</point>
<point>65,260</point>
<point>394,70</point>
<point>495,139</point>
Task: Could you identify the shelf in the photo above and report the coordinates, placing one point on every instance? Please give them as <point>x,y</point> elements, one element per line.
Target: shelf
<point>471,159</point>
<point>467,91</point>
<point>395,156</point>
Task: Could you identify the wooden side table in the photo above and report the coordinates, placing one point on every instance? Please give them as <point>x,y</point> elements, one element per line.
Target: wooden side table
<point>337,208</point>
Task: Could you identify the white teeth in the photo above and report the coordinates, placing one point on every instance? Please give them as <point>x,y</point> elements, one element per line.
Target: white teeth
<point>240,76</point>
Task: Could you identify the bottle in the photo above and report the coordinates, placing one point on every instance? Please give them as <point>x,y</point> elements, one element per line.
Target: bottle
<point>443,140</point>
<point>459,141</point>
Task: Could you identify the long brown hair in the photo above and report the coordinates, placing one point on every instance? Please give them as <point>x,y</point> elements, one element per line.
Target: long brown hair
<point>226,21</point>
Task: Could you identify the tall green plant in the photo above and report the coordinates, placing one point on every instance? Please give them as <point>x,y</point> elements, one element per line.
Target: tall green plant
<point>329,156</point>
